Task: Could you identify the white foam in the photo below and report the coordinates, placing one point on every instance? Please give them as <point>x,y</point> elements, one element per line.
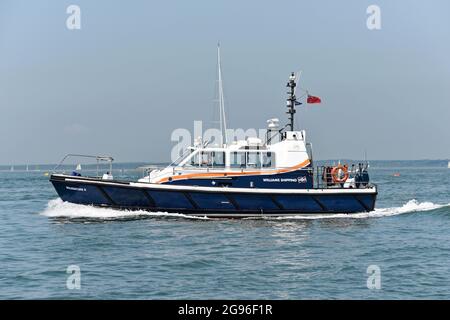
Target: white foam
<point>59,209</point>
<point>409,207</point>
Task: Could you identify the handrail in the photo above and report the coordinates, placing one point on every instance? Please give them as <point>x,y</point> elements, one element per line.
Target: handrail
<point>98,158</point>
<point>324,179</point>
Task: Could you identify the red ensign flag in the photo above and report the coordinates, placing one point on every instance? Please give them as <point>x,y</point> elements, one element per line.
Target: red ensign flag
<point>313,99</point>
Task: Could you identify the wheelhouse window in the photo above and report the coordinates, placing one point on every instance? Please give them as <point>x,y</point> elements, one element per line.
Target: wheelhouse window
<point>218,159</point>
<point>212,159</point>
<point>207,159</point>
<point>237,159</point>
<point>268,159</point>
<point>252,159</point>
<point>194,161</point>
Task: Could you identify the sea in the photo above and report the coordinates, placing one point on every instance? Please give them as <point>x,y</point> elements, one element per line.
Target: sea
<point>50,249</point>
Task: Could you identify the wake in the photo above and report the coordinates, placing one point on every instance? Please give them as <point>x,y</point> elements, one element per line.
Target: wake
<point>409,207</point>
<point>59,209</point>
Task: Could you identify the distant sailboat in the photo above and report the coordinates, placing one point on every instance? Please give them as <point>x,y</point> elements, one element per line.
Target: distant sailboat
<point>78,167</point>
<point>448,165</point>
<point>27,168</point>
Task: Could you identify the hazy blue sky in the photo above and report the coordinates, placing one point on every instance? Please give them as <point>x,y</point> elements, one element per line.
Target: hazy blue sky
<point>137,70</point>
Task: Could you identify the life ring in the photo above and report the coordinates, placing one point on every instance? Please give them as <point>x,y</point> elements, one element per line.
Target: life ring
<point>335,172</point>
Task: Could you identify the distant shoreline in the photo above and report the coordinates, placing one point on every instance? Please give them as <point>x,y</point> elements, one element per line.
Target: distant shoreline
<point>136,165</point>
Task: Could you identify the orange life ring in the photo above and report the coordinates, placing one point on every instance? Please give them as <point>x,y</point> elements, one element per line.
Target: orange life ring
<point>335,174</point>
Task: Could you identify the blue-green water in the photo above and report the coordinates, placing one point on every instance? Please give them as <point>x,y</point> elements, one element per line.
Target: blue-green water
<point>125,255</point>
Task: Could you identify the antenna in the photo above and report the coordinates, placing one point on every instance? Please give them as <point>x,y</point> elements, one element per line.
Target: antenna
<point>365,158</point>
<point>222,116</point>
<point>297,77</point>
<point>292,99</point>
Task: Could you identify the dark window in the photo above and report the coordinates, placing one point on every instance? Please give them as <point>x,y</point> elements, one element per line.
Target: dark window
<point>237,159</point>
<point>212,159</point>
<point>268,159</point>
<point>253,160</point>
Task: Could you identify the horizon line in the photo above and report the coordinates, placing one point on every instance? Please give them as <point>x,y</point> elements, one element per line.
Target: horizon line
<point>168,162</point>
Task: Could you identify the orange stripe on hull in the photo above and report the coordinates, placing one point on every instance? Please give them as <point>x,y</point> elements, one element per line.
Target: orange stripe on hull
<point>228,174</point>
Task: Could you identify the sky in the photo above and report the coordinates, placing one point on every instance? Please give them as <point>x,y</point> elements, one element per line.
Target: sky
<point>138,70</point>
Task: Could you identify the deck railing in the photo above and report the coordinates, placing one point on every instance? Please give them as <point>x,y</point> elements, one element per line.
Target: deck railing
<point>357,177</point>
<point>99,159</point>
<point>320,175</point>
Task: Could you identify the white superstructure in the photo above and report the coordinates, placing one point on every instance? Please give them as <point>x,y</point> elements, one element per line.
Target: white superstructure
<point>250,156</point>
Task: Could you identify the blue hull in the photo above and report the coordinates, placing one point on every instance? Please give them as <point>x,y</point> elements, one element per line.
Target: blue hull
<point>224,202</point>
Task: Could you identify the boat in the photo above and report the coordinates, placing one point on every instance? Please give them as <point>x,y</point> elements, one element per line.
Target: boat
<point>274,176</point>
<point>448,165</point>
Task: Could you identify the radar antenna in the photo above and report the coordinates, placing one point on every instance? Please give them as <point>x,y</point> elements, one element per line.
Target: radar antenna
<point>292,100</point>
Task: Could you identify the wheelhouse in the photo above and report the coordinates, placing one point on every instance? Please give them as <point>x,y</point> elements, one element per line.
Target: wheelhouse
<point>219,158</point>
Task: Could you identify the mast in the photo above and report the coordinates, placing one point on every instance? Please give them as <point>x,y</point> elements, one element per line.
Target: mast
<point>223,120</point>
<point>291,100</point>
